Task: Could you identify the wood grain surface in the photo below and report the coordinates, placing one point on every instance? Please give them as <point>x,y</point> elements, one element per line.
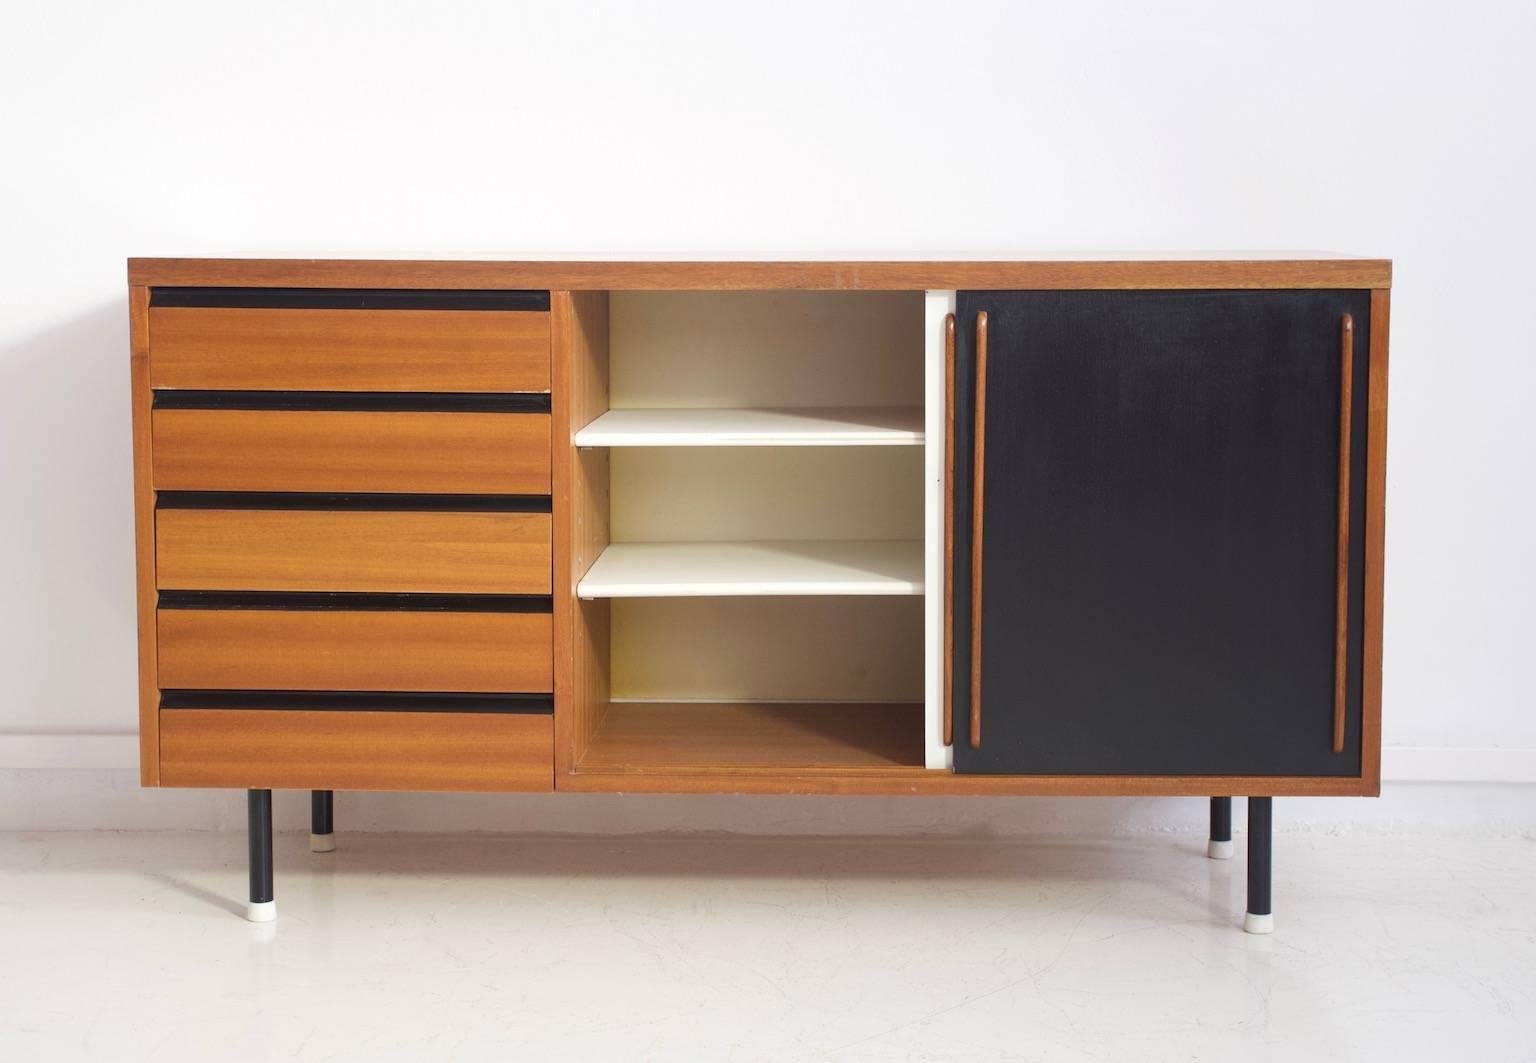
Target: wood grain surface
<point>349,350</point>
<point>261,649</point>
<point>144,535</point>
<point>351,550</point>
<point>582,628</point>
<point>327,450</point>
<point>357,750</point>
<point>1112,270</point>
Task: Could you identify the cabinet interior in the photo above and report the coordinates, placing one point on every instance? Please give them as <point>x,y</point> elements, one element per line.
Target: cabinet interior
<point>762,585</point>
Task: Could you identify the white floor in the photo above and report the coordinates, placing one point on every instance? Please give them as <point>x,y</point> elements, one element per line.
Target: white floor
<point>421,947</point>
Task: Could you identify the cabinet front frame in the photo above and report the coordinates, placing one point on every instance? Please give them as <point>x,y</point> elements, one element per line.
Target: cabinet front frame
<point>577,673</point>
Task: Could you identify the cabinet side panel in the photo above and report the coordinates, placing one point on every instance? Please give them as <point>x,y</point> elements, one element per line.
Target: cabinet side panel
<point>1375,540</point>
<point>144,536</point>
<point>579,334</point>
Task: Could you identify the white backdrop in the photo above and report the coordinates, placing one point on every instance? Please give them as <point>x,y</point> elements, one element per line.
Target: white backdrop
<point>710,129</point>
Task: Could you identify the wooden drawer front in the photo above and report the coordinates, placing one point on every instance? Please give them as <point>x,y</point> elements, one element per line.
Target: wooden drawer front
<point>289,550</point>
<point>356,750</point>
<point>329,649</point>
<point>330,450</point>
<point>348,350</point>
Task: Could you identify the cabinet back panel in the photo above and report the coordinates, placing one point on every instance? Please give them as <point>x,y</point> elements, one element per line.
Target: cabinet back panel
<point>766,349</point>
<point>706,494</point>
<point>768,649</point>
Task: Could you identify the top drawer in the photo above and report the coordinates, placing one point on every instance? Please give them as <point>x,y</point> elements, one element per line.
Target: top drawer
<point>316,340</point>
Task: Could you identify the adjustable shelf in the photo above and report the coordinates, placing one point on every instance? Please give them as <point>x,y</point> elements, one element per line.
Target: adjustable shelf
<point>802,427</point>
<point>672,570</point>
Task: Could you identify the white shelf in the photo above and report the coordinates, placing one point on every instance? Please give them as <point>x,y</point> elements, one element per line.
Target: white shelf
<point>674,570</point>
<point>804,427</point>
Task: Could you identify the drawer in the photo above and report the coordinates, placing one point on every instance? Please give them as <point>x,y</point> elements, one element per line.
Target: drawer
<point>295,550</point>
<point>351,450</point>
<point>356,750</point>
<point>345,649</point>
<point>240,348</point>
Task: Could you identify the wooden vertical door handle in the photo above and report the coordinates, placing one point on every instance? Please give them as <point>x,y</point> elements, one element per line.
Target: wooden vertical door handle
<point>1341,562</point>
<point>949,529</point>
<point>978,491</point>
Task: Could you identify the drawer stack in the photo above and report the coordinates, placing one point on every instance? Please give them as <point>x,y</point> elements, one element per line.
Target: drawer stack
<point>352,538</point>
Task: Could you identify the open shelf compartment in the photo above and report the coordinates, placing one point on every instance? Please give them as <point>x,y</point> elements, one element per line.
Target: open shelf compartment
<point>755,483</point>
<point>769,684</point>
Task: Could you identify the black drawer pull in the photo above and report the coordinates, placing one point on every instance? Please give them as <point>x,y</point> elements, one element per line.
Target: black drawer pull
<point>358,701</point>
<point>357,601</point>
<point>363,401</point>
<point>372,502</point>
<point>348,299</point>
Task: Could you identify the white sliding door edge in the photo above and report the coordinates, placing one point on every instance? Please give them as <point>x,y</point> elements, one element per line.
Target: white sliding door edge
<point>936,306</point>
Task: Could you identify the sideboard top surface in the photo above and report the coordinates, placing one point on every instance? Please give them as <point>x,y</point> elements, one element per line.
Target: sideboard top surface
<point>1055,271</point>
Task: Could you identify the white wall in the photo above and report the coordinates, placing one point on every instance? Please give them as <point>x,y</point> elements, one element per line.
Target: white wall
<point>703,128</point>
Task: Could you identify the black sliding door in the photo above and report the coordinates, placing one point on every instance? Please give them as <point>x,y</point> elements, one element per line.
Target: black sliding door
<point>1158,557</point>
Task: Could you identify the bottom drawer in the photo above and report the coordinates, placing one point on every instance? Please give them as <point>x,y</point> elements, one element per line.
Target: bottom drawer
<point>299,749</point>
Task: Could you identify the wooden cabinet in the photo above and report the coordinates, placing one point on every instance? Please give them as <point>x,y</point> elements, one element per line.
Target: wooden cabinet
<point>1038,526</point>
<point>1167,577</point>
<point>1160,570</point>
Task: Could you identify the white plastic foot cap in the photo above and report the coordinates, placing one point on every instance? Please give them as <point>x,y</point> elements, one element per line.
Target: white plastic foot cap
<point>261,911</point>
<point>322,843</point>
<point>1259,924</point>
<point>1219,850</point>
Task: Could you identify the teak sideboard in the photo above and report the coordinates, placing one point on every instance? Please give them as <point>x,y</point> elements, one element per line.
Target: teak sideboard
<point>1074,525</point>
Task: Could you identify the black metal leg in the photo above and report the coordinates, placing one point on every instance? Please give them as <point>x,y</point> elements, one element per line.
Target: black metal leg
<point>322,827</point>
<point>262,907</point>
<point>1220,846</point>
<point>1260,918</point>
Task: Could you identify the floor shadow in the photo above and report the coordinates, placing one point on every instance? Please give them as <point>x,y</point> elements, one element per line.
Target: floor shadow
<point>1173,865</point>
<point>694,854</point>
<point>198,893</point>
